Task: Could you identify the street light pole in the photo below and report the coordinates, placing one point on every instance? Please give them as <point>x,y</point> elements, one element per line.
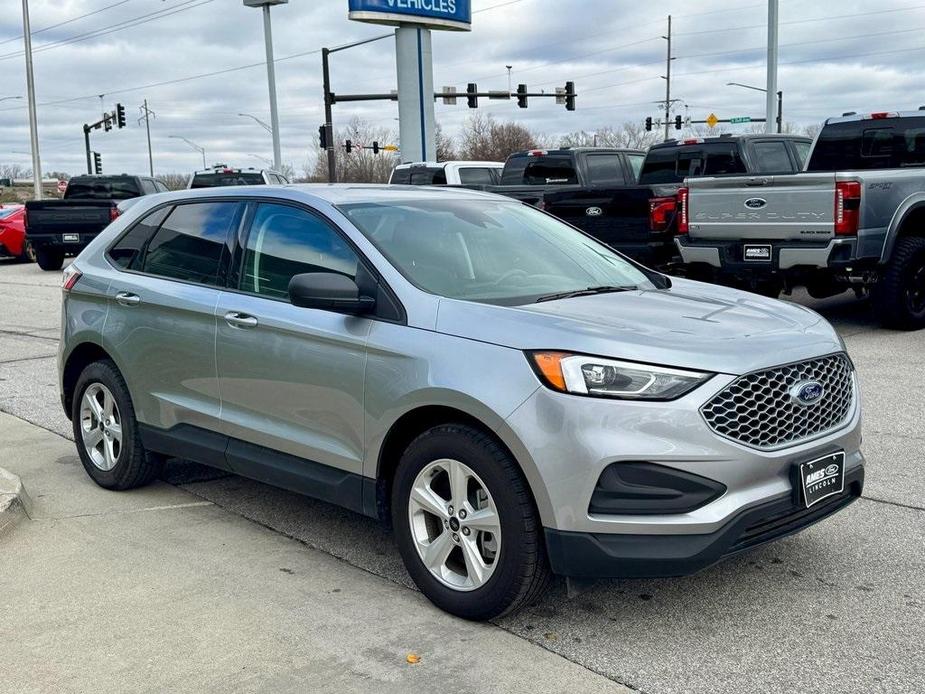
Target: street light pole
<point>257,121</point>
<point>780,101</point>
<point>271,72</point>
<point>771,89</point>
<point>192,144</point>
<point>33,118</point>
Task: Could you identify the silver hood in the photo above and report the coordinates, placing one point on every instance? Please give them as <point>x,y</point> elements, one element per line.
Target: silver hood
<point>691,325</point>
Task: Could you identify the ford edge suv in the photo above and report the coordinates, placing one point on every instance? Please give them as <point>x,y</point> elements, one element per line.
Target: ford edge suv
<point>515,399</point>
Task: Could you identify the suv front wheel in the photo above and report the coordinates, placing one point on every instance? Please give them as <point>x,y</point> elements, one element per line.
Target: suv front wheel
<point>465,524</point>
<point>107,433</point>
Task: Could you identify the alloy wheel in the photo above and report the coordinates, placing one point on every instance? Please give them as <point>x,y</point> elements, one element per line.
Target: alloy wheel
<point>101,426</point>
<point>454,524</point>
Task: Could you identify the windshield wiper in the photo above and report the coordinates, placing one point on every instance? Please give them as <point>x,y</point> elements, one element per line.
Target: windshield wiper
<point>604,289</point>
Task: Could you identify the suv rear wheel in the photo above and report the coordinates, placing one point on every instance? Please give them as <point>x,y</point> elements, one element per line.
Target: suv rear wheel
<point>49,258</point>
<point>107,433</point>
<point>900,294</point>
<point>465,524</point>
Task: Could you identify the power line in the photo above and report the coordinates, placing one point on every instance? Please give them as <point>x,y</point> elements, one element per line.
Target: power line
<point>67,21</point>
<point>126,24</point>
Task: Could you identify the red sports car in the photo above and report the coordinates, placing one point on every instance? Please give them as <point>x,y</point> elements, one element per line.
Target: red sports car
<point>13,232</point>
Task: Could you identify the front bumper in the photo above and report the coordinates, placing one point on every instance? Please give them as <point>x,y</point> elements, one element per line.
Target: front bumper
<point>600,555</point>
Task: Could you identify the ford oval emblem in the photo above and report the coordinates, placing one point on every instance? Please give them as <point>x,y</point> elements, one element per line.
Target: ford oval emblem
<point>594,211</point>
<point>755,203</point>
<point>831,470</point>
<point>807,392</point>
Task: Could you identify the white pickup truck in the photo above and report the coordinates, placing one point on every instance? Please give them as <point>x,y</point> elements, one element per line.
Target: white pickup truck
<point>451,173</point>
<point>854,218</point>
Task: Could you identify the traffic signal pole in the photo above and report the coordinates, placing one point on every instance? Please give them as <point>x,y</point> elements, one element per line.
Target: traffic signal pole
<point>87,146</point>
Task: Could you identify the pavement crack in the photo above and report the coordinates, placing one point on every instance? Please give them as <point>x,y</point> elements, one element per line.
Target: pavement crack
<point>112,512</point>
<point>892,503</point>
<point>17,333</point>
<point>16,361</point>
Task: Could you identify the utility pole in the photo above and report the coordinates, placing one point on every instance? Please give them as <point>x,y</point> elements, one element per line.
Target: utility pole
<point>147,114</point>
<point>772,94</point>
<point>667,79</point>
<point>328,115</point>
<point>33,118</point>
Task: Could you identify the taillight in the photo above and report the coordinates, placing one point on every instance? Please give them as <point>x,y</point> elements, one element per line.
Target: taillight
<point>847,207</point>
<point>113,213</point>
<point>70,277</point>
<point>662,212</point>
<point>683,195</point>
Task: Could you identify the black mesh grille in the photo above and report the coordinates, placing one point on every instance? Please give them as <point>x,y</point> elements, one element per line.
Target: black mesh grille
<point>759,410</point>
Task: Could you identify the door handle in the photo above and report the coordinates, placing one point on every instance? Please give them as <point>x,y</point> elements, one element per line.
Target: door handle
<point>128,299</point>
<point>236,319</point>
<point>758,182</point>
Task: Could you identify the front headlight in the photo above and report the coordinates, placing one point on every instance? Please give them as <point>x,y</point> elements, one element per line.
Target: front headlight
<point>609,378</point>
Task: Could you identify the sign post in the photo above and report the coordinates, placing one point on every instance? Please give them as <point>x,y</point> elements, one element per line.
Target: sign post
<point>414,61</point>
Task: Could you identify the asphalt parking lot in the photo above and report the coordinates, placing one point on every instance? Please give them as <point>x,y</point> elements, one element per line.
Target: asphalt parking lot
<point>840,607</point>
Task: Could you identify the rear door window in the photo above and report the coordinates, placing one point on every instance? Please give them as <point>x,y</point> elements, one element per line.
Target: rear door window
<point>540,171</point>
<point>604,169</point>
<point>191,242</point>
<point>477,175</point>
<point>722,159</point>
<point>772,157</point>
<point>127,251</point>
<point>424,176</point>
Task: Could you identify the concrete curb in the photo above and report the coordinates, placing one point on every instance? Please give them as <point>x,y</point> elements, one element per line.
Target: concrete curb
<point>15,504</point>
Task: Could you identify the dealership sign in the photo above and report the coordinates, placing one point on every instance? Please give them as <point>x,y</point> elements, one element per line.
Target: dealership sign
<point>436,14</point>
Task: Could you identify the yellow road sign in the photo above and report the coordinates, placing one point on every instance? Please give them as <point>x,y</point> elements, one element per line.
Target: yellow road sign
<point>389,148</point>
<point>712,120</point>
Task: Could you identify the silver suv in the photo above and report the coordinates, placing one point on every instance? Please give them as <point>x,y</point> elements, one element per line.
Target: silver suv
<point>514,398</point>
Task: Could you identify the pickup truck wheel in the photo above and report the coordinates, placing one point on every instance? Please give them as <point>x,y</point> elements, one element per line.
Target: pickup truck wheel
<point>49,258</point>
<point>900,294</point>
<point>106,431</point>
<point>28,253</point>
<point>465,524</point>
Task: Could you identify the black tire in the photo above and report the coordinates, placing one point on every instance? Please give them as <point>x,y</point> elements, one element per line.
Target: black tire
<point>899,297</point>
<point>49,258</point>
<point>134,467</point>
<point>522,573</point>
<point>28,253</point>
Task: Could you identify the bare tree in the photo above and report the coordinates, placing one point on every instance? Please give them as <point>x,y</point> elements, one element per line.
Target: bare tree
<point>173,181</point>
<point>14,171</point>
<point>485,139</point>
<point>361,165</point>
<point>628,136</point>
<point>446,149</point>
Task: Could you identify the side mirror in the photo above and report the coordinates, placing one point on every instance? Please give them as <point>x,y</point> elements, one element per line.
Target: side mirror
<point>329,291</point>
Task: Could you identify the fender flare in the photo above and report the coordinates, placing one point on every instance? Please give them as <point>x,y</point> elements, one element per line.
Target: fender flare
<point>906,207</point>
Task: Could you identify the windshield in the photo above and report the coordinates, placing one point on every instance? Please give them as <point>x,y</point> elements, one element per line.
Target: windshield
<point>492,252</point>
<point>102,189</point>
<point>213,180</point>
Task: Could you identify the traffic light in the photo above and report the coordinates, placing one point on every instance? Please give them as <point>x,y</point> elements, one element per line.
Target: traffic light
<point>120,115</point>
<point>569,96</point>
<point>97,163</point>
<point>522,95</point>
<point>348,146</point>
<point>677,122</point>
<point>325,136</point>
<point>472,90</point>
<point>107,123</point>
<point>648,123</point>
<point>375,147</point>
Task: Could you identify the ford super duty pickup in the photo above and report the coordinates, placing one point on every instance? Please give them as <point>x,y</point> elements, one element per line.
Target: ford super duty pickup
<point>854,218</point>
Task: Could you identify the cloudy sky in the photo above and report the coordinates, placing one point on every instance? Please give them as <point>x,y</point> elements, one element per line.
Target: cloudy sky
<point>198,63</point>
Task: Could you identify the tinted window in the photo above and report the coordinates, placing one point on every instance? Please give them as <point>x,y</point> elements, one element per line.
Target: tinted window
<point>772,157</point>
<point>428,177</point>
<point>87,188</point>
<point>660,166</point>
<point>870,144</point>
<point>604,169</point>
<point>635,161</point>
<point>690,163</point>
<point>802,151</point>
<point>722,159</point>
<point>211,180</point>
<point>477,175</point>
<point>400,177</point>
<point>190,242</point>
<point>539,171</point>
<point>126,253</point>
<point>284,242</point>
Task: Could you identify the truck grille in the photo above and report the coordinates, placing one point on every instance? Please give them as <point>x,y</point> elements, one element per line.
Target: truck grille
<point>759,410</point>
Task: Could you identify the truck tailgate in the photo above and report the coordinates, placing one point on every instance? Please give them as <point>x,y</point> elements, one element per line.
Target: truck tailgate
<point>56,217</point>
<point>784,207</point>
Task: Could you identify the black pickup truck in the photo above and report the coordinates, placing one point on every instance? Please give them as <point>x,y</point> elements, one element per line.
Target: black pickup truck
<point>56,228</point>
<point>596,190</point>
